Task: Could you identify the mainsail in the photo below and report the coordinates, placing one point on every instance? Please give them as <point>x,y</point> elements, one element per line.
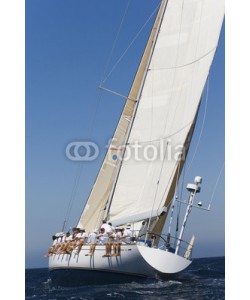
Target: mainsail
<point>167,108</point>
<point>168,86</point>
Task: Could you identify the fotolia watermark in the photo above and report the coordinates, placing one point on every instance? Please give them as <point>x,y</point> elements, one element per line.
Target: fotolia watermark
<point>82,151</point>
<point>137,151</point>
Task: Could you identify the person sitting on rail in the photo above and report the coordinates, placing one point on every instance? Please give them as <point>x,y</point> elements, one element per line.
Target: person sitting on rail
<point>64,246</point>
<point>57,240</point>
<point>105,240</point>
<point>92,241</point>
<point>116,241</point>
<point>81,238</point>
<point>51,249</point>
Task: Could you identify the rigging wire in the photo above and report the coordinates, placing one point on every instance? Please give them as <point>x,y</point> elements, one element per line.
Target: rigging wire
<point>134,39</point>
<point>130,45</point>
<point>91,126</point>
<point>115,41</point>
<point>179,204</point>
<point>216,184</point>
<point>72,197</point>
<point>205,112</point>
<point>80,166</point>
<point>185,164</point>
<point>175,197</point>
<point>176,58</point>
<point>164,131</point>
<point>149,221</point>
<point>202,128</point>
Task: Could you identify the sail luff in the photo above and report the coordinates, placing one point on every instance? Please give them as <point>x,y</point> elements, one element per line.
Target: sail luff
<point>92,214</point>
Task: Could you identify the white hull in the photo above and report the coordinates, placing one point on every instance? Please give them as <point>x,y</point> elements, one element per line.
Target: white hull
<point>134,260</point>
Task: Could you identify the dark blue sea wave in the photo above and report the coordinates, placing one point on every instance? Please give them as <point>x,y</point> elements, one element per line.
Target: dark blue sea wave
<point>204,279</point>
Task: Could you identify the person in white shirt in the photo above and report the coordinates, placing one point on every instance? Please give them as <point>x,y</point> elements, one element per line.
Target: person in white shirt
<point>66,245</point>
<point>74,236</point>
<point>92,242</point>
<point>58,238</point>
<point>81,239</point>
<point>126,236</point>
<point>92,237</point>
<point>103,236</point>
<point>112,227</point>
<point>107,227</point>
<point>71,243</point>
<point>51,249</point>
<point>104,240</point>
<point>116,241</point>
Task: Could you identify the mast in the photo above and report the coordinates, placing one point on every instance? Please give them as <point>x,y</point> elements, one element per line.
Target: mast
<point>145,62</point>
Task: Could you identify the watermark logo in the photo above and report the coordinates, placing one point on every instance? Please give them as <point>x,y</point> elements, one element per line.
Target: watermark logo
<point>82,151</point>
<point>161,150</point>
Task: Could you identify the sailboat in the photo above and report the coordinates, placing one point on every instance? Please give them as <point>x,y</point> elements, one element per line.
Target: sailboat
<point>160,112</point>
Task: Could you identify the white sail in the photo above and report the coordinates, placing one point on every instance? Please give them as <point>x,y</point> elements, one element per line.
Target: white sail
<point>94,208</point>
<point>167,108</point>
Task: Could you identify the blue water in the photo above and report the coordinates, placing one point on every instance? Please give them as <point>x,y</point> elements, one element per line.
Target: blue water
<point>203,279</point>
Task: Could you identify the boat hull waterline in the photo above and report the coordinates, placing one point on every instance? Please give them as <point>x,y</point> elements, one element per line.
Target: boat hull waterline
<point>134,260</point>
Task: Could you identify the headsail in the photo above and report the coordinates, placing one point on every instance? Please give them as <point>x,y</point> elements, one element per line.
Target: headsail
<point>94,208</point>
<point>167,108</point>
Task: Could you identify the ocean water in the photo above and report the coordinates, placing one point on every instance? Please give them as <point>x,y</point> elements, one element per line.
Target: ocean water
<point>203,279</point>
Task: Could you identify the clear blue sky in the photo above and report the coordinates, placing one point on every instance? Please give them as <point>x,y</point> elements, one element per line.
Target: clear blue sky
<point>67,48</point>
